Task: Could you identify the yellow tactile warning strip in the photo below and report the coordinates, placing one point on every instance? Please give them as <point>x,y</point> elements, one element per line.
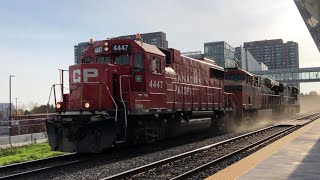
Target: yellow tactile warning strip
<point>241,167</point>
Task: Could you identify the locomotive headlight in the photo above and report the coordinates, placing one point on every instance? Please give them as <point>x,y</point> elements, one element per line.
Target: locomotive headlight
<point>106,43</point>
<point>58,105</point>
<point>106,49</point>
<point>87,105</point>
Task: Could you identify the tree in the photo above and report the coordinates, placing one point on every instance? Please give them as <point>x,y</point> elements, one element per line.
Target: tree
<point>32,105</point>
<point>26,112</point>
<point>42,109</point>
<point>20,112</point>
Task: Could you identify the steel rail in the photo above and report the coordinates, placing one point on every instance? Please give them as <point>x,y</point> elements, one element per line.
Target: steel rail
<point>309,116</point>
<point>34,162</point>
<point>234,153</point>
<point>194,171</point>
<point>153,165</point>
<point>70,158</point>
<point>147,167</point>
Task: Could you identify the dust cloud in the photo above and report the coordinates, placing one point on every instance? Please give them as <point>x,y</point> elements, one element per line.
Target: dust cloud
<point>309,104</point>
<point>254,124</point>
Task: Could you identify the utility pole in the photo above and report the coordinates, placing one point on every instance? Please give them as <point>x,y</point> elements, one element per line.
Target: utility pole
<point>16,106</point>
<point>10,95</point>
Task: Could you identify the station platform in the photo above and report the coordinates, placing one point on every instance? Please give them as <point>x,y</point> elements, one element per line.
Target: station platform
<point>295,156</point>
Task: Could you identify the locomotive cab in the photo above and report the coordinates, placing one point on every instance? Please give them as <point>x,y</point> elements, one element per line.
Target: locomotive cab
<point>116,78</point>
<point>116,73</point>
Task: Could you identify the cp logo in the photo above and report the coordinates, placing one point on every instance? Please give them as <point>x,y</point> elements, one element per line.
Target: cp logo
<point>87,73</point>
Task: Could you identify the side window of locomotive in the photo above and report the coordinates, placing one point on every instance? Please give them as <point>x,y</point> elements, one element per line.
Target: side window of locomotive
<point>215,73</point>
<point>122,59</point>
<point>103,60</point>
<point>155,65</point>
<point>235,77</point>
<point>138,62</point>
<point>87,60</point>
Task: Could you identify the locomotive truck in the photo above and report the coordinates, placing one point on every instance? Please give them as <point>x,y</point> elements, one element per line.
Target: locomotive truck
<point>128,92</point>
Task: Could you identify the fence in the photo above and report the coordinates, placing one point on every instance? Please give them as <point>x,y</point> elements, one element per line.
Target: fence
<point>26,124</point>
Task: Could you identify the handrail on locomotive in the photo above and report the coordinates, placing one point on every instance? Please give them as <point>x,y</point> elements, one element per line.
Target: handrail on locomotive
<point>53,88</point>
<point>151,91</point>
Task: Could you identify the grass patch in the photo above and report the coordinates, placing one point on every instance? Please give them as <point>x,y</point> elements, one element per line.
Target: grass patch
<point>26,153</point>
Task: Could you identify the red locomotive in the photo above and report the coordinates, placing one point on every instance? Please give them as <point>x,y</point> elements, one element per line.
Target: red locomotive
<point>254,93</point>
<point>127,91</point>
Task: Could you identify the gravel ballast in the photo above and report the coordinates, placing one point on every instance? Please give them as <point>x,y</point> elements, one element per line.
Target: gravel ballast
<point>126,159</point>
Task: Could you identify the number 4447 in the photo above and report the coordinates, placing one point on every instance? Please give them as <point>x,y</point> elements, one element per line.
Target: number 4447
<point>155,84</point>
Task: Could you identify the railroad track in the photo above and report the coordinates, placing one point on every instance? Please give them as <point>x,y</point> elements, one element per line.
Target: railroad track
<point>312,116</point>
<point>191,163</point>
<point>32,167</point>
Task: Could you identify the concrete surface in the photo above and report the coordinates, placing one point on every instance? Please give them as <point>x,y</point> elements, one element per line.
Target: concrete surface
<point>21,140</point>
<point>295,156</point>
<point>4,131</point>
<point>298,160</point>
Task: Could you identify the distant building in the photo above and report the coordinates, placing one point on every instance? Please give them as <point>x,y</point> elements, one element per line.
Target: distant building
<point>263,66</point>
<point>248,62</point>
<point>4,108</point>
<point>275,53</point>
<point>194,54</point>
<point>222,53</point>
<point>198,55</point>
<point>155,38</point>
<point>79,50</point>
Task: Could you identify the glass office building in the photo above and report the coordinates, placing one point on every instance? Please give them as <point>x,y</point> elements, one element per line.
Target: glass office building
<point>222,53</point>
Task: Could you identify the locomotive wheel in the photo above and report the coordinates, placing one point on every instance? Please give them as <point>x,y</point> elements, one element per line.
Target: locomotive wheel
<point>229,122</point>
<point>223,123</point>
<point>182,117</point>
<point>146,130</point>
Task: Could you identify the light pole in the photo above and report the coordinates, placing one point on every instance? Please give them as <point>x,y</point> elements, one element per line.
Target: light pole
<point>16,106</point>
<point>7,111</point>
<point>10,95</point>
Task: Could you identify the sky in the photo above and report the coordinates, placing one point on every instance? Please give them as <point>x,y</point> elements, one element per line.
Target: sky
<point>37,37</point>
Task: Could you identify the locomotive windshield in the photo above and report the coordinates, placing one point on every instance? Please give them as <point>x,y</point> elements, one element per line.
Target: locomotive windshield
<point>138,62</point>
<point>103,59</point>
<point>122,59</point>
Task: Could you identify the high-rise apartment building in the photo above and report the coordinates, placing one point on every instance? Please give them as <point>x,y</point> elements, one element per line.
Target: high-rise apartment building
<point>275,53</point>
<point>79,50</point>
<point>248,62</point>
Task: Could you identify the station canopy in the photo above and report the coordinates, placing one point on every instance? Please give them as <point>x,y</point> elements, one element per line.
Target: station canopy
<point>310,12</point>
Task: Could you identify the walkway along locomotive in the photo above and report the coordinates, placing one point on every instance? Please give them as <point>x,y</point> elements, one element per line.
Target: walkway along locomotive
<point>127,91</point>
